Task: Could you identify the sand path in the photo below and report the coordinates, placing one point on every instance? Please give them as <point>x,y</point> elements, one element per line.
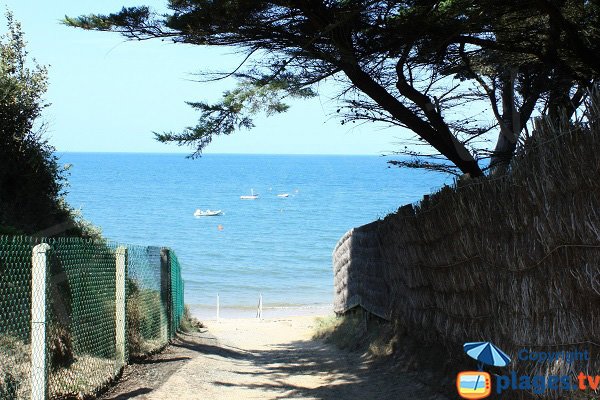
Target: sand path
<point>269,359</point>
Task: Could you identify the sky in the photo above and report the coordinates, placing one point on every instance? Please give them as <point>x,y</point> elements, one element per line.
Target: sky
<point>109,95</point>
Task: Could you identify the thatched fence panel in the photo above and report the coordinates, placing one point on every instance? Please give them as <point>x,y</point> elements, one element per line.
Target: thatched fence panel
<point>513,260</point>
<point>359,273</point>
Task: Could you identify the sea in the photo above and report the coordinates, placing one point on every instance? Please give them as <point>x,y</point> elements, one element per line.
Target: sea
<point>276,247</point>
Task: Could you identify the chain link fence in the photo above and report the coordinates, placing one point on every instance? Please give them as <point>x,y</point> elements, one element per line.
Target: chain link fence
<point>73,312</point>
<point>15,317</point>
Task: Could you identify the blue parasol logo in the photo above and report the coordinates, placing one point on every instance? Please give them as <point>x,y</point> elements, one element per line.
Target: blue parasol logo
<point>486,353</point>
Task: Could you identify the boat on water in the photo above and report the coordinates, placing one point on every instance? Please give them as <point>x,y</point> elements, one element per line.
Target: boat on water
<point>283,195</point>
<point>207,213</point>
<point>250,197</point>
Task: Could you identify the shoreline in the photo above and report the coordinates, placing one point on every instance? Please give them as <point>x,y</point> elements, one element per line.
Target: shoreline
<point>209,313</point>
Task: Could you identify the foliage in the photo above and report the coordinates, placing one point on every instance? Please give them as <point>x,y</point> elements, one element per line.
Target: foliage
<point>431,66</point>
<point>8,387</point>
<point>14,355</point>
<point>143,321</point>
<point>355,331</point>
<point>516,54</point>
<point>189,323</point>
<point>235,111</point>
<point>31,181</point>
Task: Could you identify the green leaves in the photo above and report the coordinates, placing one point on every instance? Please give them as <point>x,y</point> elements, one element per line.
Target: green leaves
<point>236,110</point>
<point>31,182</point>
<point>21,88</point>
<point>426,65</point>
<point>128,16</point>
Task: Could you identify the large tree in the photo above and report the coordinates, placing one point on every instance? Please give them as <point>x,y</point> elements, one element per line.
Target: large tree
<point>419,65</point>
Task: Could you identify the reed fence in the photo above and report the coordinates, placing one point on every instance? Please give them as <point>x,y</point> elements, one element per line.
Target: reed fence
<point>513,260</point>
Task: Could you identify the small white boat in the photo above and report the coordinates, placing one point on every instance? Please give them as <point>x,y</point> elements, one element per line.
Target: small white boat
<point>283,195</point>
<point>251,197</point>
<point>207,213</point>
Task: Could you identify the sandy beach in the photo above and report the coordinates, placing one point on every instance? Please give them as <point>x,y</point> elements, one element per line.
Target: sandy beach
<point>209,313</point>
<point>263,359</point>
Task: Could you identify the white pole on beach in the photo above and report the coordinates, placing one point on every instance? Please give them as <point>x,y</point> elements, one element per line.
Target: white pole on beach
<point>218,306</point>
<point>260,307</point>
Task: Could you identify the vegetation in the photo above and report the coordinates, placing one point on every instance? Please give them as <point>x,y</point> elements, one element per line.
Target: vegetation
<point>32,184</point>
<point>356,332</point>
<point>14,356</point>
<point>189,323</point>
<point>453,72</point>
<point>145,322</point>
<point>144,313</point>
<point>8,387</point>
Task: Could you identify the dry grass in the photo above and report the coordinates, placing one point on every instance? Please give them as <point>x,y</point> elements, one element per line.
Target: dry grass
<point>83,378</point>
<point>14,368</point>
<point>146,323</point>
<point>357,332</point>
<point>189,323</point>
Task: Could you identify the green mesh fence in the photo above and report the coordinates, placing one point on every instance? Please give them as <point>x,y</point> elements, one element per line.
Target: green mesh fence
<point>146,303</point>
<point>81,311</point>
<point>89,334</point>
<point>176,293</point>
<point>15,317</point>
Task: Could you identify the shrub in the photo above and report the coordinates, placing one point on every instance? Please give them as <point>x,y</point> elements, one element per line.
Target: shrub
<point>357,331</point>
<point>189,323</point>
<point>14,368</point>
<point>9,387</point>
<point>32,183</point>
<point>145,329</point>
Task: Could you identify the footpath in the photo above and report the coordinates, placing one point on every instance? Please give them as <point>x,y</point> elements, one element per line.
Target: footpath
<point>271,359</point>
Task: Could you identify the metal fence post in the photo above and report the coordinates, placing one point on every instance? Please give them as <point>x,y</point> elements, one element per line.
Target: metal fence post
<point>165,286</point>
<point>39,376</point>
<point>121,262</point>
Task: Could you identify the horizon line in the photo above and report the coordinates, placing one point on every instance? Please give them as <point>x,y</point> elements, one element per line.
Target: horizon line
<point>209,154</point>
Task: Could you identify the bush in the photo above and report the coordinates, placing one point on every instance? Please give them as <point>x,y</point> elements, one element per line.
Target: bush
<point>189,323</point>
<point>144,324</point>
<point>9,387</point>
<point>32,184</point>
<point>14,368</point>
<point>357,331</point>
<point>60,346</point>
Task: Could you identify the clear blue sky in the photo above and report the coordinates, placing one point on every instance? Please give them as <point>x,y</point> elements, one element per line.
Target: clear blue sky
<point>108,94</point>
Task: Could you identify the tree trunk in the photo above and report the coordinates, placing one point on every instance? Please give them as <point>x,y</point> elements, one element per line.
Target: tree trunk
<point>444,142</point>
<point>510,128</point>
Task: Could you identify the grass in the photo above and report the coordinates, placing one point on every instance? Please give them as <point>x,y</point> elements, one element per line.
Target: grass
<point>87,373</point>
<point>81,379</point>
<point>357,331</point>
<point>146,323</point>
<point>189,323</point>
<point>14,368</point>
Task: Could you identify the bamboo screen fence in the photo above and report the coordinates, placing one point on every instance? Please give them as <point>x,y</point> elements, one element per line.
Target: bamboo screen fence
<point>513,260</point>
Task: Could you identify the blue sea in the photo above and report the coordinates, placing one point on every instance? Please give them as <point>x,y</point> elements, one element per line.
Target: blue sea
<point>278,247</point>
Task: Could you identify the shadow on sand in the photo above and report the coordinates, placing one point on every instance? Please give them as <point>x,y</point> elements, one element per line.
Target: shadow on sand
<point>282,371</point>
